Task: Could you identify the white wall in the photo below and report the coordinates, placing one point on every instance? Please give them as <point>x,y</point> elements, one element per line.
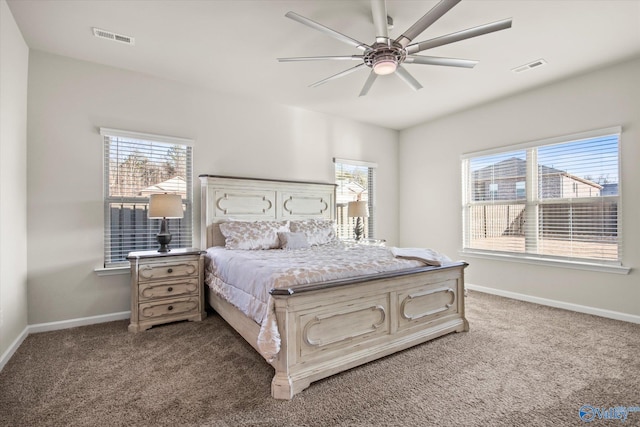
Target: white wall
<point>14,60</point>
<point>430,180</point>
<point>69,100</point>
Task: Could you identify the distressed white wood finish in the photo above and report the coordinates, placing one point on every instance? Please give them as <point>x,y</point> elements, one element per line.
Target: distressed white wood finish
<point>225,198</point>
<point>332,327</point>
<point>166,287</point>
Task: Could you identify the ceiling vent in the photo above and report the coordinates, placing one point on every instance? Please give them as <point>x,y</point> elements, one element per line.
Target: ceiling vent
<point>104,34</point>
<point>529,66</point>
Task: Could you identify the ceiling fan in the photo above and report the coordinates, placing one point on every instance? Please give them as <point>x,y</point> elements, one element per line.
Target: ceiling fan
<point>387,56</point>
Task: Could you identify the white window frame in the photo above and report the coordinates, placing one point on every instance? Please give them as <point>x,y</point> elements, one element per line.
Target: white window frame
<point>370,231</point>
<point>186,222</point>
<point>532,201</point>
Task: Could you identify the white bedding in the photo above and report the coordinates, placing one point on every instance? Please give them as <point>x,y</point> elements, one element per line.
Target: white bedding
<point>244,278</point>
<point>428,256</point>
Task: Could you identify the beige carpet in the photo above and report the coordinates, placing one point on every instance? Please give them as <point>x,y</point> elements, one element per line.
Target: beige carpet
<point>520,365</point>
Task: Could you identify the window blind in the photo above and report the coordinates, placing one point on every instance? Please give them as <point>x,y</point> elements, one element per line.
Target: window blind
<point>356,180</point>
<point>554,199</point>
<point>137,165</point>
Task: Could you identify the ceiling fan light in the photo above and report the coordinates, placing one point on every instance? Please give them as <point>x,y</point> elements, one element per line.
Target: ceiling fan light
<point>385,66</point>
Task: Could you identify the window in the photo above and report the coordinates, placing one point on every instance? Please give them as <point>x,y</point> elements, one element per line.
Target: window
<point>355,181</point>
<point>493,190</point>
<point>135,166</point>
<point>555,199</point>
<point>520,193</point>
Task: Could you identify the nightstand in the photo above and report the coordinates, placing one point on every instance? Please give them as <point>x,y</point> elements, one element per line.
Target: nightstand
<point>166,287</point>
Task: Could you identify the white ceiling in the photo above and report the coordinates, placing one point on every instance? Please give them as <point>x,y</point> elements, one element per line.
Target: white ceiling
<point>232,46</point>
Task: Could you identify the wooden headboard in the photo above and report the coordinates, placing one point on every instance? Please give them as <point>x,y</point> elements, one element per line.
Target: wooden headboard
<point>225,198</point>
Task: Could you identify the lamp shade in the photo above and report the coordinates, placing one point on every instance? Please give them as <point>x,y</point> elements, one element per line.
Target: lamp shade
<point>358,209</point>
<point>165,206</point>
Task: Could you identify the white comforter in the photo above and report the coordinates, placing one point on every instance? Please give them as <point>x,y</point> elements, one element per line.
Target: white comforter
<point>244,278</point>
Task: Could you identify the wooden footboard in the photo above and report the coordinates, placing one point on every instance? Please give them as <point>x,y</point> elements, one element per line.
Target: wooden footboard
<point>326,330</point>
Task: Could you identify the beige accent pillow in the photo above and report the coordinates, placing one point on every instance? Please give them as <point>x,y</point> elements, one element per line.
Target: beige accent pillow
<point>253,235</point>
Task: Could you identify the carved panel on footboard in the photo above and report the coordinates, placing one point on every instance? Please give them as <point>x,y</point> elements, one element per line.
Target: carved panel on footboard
<point>427,303</point>
<point>336,326</point>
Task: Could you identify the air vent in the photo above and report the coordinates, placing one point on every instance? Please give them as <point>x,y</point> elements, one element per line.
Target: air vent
<point>529,66</point>
<point>104,34</point>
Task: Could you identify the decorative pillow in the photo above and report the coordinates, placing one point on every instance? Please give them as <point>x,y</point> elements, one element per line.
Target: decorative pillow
<point>253,235</point>
<point>289,240</point>
<point>318,231</point>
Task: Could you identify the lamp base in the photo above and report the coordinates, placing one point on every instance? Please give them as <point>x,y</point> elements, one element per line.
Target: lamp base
<point>163,237</point>
<point>358,231</point>
<point>164,240</point>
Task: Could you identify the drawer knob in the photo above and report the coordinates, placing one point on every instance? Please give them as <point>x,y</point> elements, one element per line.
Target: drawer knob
<point>170,308</point>
<point>170,270</point>
<point>169,289</point>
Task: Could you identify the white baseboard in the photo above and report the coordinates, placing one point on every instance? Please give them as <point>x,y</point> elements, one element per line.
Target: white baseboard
<point>13,347</point>
<point>83,321</point>
<point>558,304</point>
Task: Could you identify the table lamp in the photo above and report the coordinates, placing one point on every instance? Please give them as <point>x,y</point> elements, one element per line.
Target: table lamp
<point>358,210</point>
<point>165,206</point>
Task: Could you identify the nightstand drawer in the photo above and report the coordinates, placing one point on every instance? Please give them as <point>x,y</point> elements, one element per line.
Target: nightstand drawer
<point>177,288</point>
<point>168,308</point>
<point>162,271</point>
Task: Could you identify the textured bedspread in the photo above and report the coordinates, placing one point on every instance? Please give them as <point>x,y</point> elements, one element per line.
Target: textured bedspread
<point>244,278</point>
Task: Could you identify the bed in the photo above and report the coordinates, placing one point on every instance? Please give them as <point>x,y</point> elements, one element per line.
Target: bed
<point>323,327</point>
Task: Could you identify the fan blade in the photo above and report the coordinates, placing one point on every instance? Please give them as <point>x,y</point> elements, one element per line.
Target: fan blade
<point>460,35</point>
<point>423,23</point>
<point>335,76</point>
<point>367,85</point>
<point>333,33</point>
<point>408,78</point>
<point>433,60</point>
<point>379,12</point>
<point>323,58</point>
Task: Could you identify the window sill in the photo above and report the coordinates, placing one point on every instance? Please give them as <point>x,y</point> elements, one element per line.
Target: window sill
<point>112,271</point>
<point>529,259</point>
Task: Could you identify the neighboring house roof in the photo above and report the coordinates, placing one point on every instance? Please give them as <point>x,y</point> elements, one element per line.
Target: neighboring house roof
<point>176,184</point>
<point>515,167</point>
<point>585,181</point>
<point>347,191</point>
<point>509,168</point>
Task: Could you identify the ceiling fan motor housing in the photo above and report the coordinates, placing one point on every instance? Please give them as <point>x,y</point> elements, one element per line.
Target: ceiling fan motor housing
<point>384,52</point>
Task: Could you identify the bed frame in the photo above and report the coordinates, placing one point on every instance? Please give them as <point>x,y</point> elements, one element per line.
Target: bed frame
<point>330,327</point>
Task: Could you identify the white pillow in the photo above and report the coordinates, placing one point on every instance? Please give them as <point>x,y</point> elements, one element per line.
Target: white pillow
<point>253,235</point>
<point>318,231</point>
<point>290,240</point>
